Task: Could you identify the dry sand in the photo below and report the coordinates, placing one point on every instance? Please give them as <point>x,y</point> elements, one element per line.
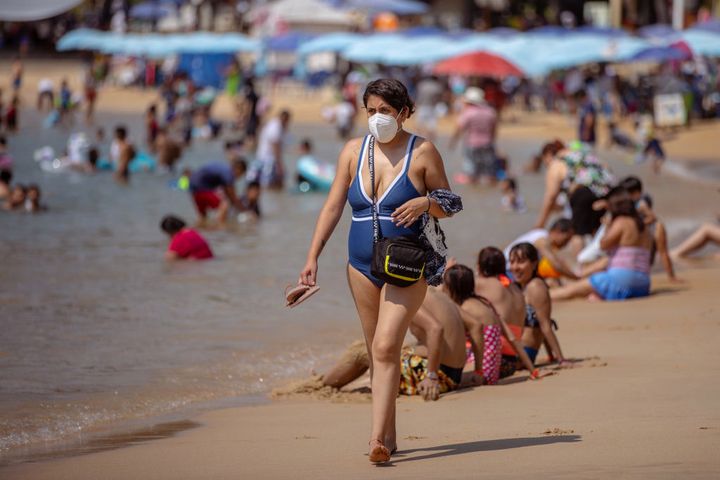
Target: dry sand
<point>642,404</point>
<point>642,401</point>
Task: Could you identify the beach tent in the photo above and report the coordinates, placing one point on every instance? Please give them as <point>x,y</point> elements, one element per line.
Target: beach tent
<point>32,10</point>
<point>309,15</point>
<point>478,64</point>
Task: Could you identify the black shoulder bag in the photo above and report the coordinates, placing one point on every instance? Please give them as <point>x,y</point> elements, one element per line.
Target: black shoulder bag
<point>399,261</point>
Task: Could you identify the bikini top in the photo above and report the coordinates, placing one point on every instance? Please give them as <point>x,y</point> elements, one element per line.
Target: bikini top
<point>400,190</point>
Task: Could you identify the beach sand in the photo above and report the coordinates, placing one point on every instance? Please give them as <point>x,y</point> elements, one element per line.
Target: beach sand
<point>641,402</point>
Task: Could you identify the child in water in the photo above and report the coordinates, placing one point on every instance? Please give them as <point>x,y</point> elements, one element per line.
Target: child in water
<point>185,243</point>
<point>512,201</point>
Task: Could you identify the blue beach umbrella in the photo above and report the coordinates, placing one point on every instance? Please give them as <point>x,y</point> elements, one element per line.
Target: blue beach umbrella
<point>657,31</point>
<point>660,55</point>
<point>288,42</point>
<point>702,42</point>
<point>712,26</point>
<point>400,7</point>
<point>151,10</point>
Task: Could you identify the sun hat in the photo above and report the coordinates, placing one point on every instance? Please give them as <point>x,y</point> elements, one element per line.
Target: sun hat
<point>474,95</point>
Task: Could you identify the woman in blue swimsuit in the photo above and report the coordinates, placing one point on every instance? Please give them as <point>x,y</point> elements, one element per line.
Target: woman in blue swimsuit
<point>407,167</point>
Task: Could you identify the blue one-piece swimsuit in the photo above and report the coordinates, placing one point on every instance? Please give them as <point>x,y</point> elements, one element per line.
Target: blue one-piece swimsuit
<point>360,241</point>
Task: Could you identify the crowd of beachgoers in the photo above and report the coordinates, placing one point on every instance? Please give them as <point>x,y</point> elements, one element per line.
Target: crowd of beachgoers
<point>596,236</point>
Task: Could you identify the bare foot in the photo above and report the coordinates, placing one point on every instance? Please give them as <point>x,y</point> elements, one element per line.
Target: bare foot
<point>378,452</point>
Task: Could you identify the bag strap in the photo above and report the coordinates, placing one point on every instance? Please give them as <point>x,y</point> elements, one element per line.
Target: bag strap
<point>371,165</point>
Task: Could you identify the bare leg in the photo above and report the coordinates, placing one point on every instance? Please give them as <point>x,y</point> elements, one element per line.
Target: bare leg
<point>581,288</point>
<point>662,250</point>
<point>706,233</point>
<point>350,367</point>
<point>397,307</point>
<point>223,210</point>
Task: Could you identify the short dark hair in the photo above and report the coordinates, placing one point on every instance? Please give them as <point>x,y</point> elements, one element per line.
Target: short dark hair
<point>240,164</point>
<point>621,205</point>
<point>525,250</point>
<point>511,183</point>
<point>93,155</point>
<point>632,184</point>
<point>491,262</point>
<point>306,143</point>
<point>33,186</point>
<point>392,91</point>
<point>3,140</point>
<point>563,225</point>
<point>460,283</point>
<point>171,224</point>
<point>121,132</point>
<point>253,184</point>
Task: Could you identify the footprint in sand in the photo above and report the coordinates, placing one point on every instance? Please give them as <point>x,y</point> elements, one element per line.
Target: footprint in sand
<point>414,437</point>
<point>557,431</point>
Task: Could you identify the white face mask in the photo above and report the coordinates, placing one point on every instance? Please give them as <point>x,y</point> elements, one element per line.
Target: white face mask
<point>383,127</point>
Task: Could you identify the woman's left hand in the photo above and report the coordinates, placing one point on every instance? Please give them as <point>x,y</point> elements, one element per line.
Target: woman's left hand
<point>408,213</point>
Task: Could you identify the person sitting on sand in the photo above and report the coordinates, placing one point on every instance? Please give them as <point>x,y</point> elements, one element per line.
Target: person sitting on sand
<point>706,233</point>
<point>431,367</point>
<point>492,283</point>
<point>205,182</point>
<point>548,242</point>
<point>644,204</point>
<point>185,242</point>
<point>484,326</point>
<point>628,243</point>
<point>511,200</point>
<point>524,261</point>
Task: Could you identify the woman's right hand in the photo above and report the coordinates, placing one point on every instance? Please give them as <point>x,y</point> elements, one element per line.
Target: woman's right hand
<point>308,275</point>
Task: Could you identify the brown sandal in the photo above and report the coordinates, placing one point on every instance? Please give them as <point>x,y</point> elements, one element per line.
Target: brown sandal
<point>378,452</point>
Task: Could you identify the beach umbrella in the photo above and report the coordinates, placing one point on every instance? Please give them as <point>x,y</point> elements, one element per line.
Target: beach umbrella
<point>550,30</point>
<point>601,31</point>
<point>288,42</point>
<point>478,64</point>
<point>422,31</point>
<point>400,7</point>
<point>331,42</point>
<point>712,26</point>
<point>421,50</point>
<point>503,32</point>
<point>657,31</point>
<point>661,54</point>
<point>372,49</point>
<point>702,42</point>
<point>151,10</point>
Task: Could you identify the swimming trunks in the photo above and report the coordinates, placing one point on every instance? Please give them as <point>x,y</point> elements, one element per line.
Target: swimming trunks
<point>413,370</point>
<point>532,353</point>
<point>360,239</point>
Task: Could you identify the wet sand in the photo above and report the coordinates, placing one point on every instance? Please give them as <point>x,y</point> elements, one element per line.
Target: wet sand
<point>642,401</point>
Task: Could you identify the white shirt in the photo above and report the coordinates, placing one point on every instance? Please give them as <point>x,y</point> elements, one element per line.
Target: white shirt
<point>530,237</point>
<point>270,134</point>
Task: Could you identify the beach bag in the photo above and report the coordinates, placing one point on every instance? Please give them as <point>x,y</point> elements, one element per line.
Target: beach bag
<point>399,261</point>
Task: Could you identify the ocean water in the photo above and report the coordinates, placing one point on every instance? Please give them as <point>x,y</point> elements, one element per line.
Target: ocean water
<point>96,330</point>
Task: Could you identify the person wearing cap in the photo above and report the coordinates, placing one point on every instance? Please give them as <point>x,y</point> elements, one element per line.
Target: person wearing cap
<point>477,125</point>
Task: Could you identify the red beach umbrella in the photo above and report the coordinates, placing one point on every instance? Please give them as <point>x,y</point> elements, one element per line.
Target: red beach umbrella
<point>477,64</point>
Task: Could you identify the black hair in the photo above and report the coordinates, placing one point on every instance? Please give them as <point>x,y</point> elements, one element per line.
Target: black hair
<point>392,91</point>
<point>491,262</point>
<point>562,225</point>
<point>3,140</point>
<point>33,186</point>
<point>93,155</point>
<point>527,251</point>
<point>581,94</point>
<point>240,164</point>
<point>632,184</point>
<point>285,114</point>
<point>121,132</point>
<point>152,108</point>
<point>621,205</point>
<point>460,283</point>
<point>306,143</point>
<point>511,183</point>
<point>6,176</point>
<point>253,184</point>
<point>171,224</point>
